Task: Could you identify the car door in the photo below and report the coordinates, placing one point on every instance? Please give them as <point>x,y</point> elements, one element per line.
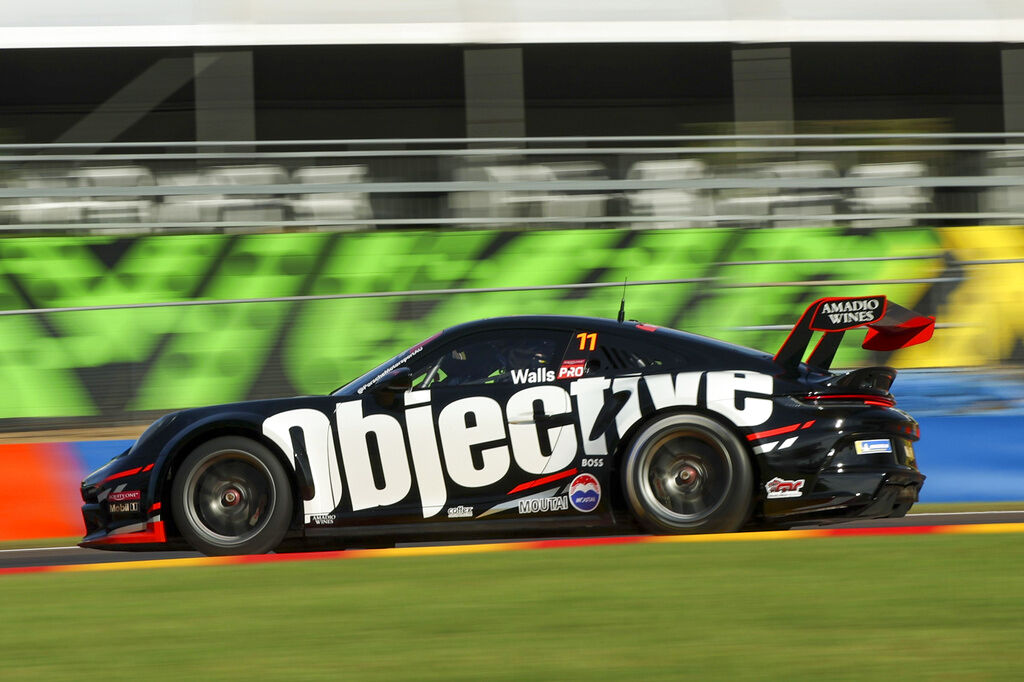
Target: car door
<point>502,420</point>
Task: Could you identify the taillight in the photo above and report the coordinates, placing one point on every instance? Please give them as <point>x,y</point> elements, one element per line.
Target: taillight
<point>864,399</point>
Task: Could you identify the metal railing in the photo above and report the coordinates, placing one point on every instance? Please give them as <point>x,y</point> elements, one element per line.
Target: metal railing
<point>658,181</point>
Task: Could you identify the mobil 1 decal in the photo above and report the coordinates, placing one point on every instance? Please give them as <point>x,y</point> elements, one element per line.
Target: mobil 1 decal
<point>444,449</point>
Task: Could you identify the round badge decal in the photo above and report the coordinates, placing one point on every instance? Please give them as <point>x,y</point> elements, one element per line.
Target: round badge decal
<point>584,493</point>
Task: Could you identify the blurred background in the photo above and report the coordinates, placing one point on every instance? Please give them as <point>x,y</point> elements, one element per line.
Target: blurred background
<point>734,161</point>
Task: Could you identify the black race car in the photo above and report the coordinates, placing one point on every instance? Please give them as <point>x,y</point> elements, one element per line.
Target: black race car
<point>529,426</point>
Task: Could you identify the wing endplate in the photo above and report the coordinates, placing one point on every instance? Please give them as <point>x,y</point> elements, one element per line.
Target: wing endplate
<point>890,326</point>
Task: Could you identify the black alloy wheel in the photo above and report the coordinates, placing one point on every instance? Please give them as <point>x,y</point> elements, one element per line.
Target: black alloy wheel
<point>687,473</point>
<point>231,495</point>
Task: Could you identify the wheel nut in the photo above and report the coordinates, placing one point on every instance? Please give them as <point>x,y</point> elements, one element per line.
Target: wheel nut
<point>686,475</point>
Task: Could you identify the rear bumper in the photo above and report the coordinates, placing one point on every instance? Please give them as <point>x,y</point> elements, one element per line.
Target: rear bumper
<point>845,494</point>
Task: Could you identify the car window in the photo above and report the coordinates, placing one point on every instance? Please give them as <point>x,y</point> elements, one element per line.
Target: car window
<point>613,353</point>
<point>378,372</point>
<point>507,357</point>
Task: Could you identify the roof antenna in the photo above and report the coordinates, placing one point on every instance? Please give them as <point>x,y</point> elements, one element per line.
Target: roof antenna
<point>622,304</point>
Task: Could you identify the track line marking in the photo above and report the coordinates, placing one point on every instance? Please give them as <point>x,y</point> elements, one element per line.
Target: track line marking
<point>450,550</point>
<point>964,513</point>
<point>146,563</point>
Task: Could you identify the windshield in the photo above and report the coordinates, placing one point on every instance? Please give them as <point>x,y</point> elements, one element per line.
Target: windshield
<point>383,368</point>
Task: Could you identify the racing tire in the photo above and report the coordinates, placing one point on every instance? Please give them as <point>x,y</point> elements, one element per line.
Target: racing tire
<point>687,473</point>
<point>231,495</point>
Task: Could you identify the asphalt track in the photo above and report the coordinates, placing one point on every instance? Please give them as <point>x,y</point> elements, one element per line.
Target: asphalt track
<point>71,556</point>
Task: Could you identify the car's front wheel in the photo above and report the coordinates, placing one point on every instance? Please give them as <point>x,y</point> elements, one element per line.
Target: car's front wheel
<point>231,495</point>
<point>687,473</point>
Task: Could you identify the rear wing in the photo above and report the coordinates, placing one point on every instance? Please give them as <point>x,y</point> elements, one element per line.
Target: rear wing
<point>890,326</point>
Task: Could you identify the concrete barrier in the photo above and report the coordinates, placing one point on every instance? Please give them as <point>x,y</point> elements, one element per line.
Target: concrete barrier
<point>972,458</point>
<point>40,494</point>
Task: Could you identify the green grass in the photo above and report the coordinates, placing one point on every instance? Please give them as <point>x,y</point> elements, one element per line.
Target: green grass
<point>910,607</point>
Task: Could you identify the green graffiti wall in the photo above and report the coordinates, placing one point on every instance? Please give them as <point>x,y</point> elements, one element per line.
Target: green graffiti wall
<point>110,363</point>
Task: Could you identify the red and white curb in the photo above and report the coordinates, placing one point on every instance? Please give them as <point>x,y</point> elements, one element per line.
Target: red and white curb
<point>485,548</point>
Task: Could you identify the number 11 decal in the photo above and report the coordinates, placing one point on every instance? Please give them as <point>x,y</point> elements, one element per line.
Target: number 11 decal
<point>587,341</point>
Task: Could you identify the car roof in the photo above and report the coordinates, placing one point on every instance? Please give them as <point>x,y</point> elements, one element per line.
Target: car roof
<point>540,321</point>
<point>628,327</point>
<point>631,328</point>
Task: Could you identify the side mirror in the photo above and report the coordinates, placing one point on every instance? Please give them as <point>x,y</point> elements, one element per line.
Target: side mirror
<point>398,380</point>
<point>393,384</point>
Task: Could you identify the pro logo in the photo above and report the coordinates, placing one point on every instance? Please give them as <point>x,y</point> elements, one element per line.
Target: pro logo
<point>572,369</point>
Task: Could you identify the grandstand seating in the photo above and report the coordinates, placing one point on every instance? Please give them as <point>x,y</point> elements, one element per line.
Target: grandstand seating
<point>687,191</point>
<point>331,205</point>
<point>890,198</point>
<point>669,202</point>
<point>1004,199</point>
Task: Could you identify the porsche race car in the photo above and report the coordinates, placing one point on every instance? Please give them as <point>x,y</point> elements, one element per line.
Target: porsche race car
<point>533,425</point>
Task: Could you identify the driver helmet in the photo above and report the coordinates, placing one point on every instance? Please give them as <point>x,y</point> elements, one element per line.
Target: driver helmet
<point>468,365</point>
<point>530,355</point>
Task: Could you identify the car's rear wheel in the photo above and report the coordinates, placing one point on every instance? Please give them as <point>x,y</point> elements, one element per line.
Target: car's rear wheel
<point>687,473</point>
<point>231,495</point>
